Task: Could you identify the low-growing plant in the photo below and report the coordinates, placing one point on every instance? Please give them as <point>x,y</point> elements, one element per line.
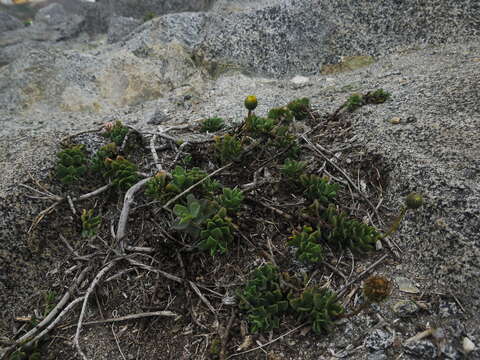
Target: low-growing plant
<point>90,223</point>
<point>183,178</point>
<point>121,172</point>
<point>281,115</point>
<point>149,16</point>
<point>217,234</point>
<point>98,161</point>
<point>72,164</point>
<point>307,243</point>
<point>354,102</point>
<point>212,124</point>
<point>258,125</point>
<point>300,108</point>
<point>283,139</point>
<point>292,169</point>
<point>228,148</point>
<point>319,188</point>
<point>231,199</point>
<point>210,186</point>
<point>156,186</point>
<point>192,215</point>
<point>263,300</point>
<point>116,132</point>
<point>343,232</point>
<point>378,96</point>
<point>317,306</point>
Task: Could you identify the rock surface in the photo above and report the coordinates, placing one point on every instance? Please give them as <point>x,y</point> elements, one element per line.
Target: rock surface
<point>8,22</point>
<point>184,67</point>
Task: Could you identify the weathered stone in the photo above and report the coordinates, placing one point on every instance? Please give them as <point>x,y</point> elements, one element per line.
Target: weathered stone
<point>8,22</point>
<point>378,340</point>
<point>120,26</point>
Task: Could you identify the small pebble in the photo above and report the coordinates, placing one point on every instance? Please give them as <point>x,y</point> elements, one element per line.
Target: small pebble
<point>468,345</point>
<point>395,120</point>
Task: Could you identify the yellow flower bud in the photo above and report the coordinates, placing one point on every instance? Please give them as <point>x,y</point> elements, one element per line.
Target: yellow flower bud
<point>251,102</point>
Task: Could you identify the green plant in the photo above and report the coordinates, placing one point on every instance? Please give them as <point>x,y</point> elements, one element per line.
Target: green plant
<point>228,148</point>
<point>318,188</point>
<point>283,139</point>
<point>212,124</point>
<point>292,169</point>
<point>90,223</point>
<point>231,199</point>
<point>190,217</point>
<point>98,160</point>
<point>72,164</point>
<point>155,187</point>
<point>182,179</point>
<point>149,16</point>
<point>49,299</point>
<point>258,125</point>
<point>116,132</point>
<point>379,96</point>
<point>317,306</point>
<point>217,234</point>
<point>342,232</point>
<point>306,242</point>
<point>300,108</point>
<point>121,172</point>
<point>210,186</point>
<point>354,102</point>
<point>412,202</point>
<point>263,300</point>
<point>281,114</point>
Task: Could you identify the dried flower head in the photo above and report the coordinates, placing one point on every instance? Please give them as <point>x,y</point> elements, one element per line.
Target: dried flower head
<point>414,201</point>
<point>377,288</point>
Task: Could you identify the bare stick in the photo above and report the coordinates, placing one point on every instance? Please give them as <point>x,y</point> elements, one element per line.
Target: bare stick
<point>165,207</point>
<point>118,344</point>
<point>54,322</point>
<point>94,193</point>
<point>133,316</point>
<point>225,335</point>
<point>203,298</point>
<point>156,160</point>
<point>158,271</point>
<point>52,314</point>
<point>362,274</point>
<point>84,306</point>
<point>122,222</point>
<point>267,343</point>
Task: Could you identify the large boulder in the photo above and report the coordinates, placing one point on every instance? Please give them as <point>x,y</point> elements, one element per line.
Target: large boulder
<point>8,22</point>
<point>120,26</point>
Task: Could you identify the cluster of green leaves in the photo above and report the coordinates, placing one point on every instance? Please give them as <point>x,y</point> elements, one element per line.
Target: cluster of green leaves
<point>121,172</point>
<point>378,96</point>
<point>317,306</point>
<point>307,243</point>
<point>344,232</point>
<point>72,164</point>
<point>90,223</point>
<point>155,187</point>
<point>217,233</point>
<point>193,214</point>
<point>284,139</point>
<point>117,132</point>
<point>212,124</point>
<point>263,300</point>
<point>318,188</point>
<point>149,16</point>
<point>98,160</point>
<point>259,125</point>
<point>281,115</point>
<point>228,148</point>
<point>356,100</point>
<point>300,108</point>
<point>292,169</point>
<point>204,219</point>
<point>231,199</point>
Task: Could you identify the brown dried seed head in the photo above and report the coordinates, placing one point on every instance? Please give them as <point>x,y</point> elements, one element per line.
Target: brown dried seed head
<point>377,288</point>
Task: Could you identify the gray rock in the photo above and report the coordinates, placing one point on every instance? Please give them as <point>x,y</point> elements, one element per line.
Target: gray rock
<point>405,308</point>
<point>56,20</point>
<point>378,340</point>
<point>423,349</point>
<point>8,22</point>
<point>120,26</point>
<point>138,9</point>
<point>377,355</point>
<point>158,117</point>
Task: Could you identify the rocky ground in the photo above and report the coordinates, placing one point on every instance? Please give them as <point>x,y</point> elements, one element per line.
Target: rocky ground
<point>183,67</point>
